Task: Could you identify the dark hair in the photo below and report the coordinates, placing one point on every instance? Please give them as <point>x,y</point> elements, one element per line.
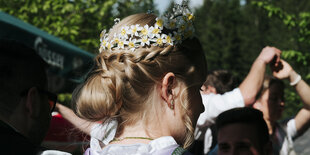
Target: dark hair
<point>268,81</point>
<point>245,115</point>
<point>20,68</point>
<point>221,80</point>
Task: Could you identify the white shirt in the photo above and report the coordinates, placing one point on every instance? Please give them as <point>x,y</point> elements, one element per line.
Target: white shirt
<point>157,146</point>
<point>282,139</point>
<point>54,152</point>
<point>214,105</point>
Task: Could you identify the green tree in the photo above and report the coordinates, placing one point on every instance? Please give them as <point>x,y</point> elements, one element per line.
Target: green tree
<point>77,21</point>
<point>233,32</point>
<point>297,21</point>
<point>227,36</point>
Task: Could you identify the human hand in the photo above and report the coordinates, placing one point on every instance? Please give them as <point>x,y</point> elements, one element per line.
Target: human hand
<point>270,55</point>
<point>282,71</point>
<point>57,107</point>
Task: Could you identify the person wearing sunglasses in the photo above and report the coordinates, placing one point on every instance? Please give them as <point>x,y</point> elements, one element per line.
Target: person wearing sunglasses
<point>25,103</point>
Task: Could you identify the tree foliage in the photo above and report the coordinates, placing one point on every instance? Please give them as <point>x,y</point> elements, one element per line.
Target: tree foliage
<point>298,22</point>
<point>233,32</point>
<point>77,21</point>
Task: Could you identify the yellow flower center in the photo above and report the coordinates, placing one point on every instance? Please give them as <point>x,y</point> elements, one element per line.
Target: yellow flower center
<point>116,40</point>
<point>123,32</point>
<point>144,31</point>
<point>144,39</point>
<point>121,44</point>
<point>172,24</point>
<point>183,27</point>
<point>190,16</point>
<point>160,22</point>
<point>131,44</point>
<point>178,37</point>
<point>134,30</point>
<point>168,39</point>
<point>109,46</point>
<point>104,42</point>
<point>155,31</point>
<point>159,41</point>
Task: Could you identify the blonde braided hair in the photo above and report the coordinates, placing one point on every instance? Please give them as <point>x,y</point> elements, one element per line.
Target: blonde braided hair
<point>120,81</point>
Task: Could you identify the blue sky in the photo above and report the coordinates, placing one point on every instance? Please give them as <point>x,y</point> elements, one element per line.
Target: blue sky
<point>163,4</point>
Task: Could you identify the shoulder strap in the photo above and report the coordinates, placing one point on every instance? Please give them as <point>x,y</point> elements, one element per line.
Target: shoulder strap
<point>180,151</point>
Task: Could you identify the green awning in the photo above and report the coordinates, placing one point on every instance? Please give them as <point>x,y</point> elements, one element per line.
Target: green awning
<point>68,64</point>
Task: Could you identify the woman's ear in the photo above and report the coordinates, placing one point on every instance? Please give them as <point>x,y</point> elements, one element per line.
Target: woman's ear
<point>166,88</point>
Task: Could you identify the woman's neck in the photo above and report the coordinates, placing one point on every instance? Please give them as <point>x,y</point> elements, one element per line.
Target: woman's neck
<point>271,125</point>
<point>137,133</point>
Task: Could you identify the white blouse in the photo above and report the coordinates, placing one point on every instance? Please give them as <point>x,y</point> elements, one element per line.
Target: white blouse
<point>159,146</point>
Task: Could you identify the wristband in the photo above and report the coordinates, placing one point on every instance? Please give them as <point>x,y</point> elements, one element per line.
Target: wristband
<point>296,80</point>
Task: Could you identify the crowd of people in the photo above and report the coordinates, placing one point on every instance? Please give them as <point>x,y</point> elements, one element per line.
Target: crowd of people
<point>149,93</point>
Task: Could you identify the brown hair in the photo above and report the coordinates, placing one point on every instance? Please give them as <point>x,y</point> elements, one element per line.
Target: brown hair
<point>221,80</point>
<point>120,83</point>
<point>268,81</point>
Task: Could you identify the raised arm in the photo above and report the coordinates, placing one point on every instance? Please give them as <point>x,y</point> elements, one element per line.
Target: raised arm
<point>302,119</point>
<point>78,122</point>
<point>251,85</point>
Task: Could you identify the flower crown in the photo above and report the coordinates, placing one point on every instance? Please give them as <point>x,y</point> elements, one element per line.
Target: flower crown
<point>179,22</point>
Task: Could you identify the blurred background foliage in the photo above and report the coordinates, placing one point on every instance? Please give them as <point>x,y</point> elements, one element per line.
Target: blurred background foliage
<point>76,21</point>
<point>232,32</point>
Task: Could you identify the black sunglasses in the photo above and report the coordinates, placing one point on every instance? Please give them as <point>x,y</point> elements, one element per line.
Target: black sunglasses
<point>52,98</point>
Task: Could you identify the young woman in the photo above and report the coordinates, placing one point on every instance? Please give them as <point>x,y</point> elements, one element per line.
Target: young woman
<point>145,87</point>
<point>271,103</point>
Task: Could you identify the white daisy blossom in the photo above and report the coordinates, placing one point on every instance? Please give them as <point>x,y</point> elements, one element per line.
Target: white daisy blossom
<point>182,28</point>
<point>103,44</point>
<point>108,45</point>
<point>121,44</point>
<point>179,23</point>
<point>124,32</point>
<point>169,39</point>
<point>103,35</point>
<point>189,33</point>
<point>166,22</point>
<point>103,40</point>
<point>144,41</point>
<point>116,21</point>
<point>131,44</point>
<point>159,40</point>
<point>134,29</point>
<point>145,30</point>
<point>154,31</point>
<point>189,16</point>
<point>178,37</point>
<point>159,23</point>
<point>116,39</point>
<point>172,24</point>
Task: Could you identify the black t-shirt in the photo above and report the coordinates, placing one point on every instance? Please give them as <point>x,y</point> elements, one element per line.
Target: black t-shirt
<point>13,143</point>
